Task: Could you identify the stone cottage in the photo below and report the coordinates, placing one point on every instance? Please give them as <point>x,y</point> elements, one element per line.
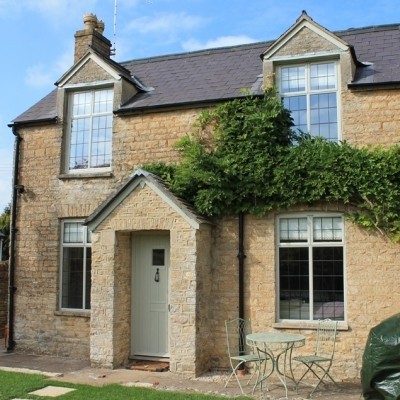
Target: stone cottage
<point>107,264</point>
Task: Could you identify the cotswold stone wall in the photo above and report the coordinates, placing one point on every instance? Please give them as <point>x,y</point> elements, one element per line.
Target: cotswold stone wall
<point>49,197</point>
<point>3,296</point>
<point>371,287</point>
<point>371,117</point>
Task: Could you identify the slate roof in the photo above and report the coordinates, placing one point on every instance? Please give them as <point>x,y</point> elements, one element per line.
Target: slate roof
<point>208,75</point>
<point>378,46</point>
<point>220,74</point>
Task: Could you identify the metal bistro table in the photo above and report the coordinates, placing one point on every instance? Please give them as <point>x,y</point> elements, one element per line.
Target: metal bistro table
<point>276,346</point>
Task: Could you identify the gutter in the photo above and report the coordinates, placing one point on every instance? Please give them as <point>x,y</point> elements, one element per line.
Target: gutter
<point>11,279</point>
<point>368,85</point>
<point>176,106</point>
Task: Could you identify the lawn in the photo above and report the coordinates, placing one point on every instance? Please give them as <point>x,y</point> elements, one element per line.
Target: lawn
<point>18,385</point>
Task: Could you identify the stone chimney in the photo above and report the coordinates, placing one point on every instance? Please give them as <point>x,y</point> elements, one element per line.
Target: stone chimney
<point>91,36</point>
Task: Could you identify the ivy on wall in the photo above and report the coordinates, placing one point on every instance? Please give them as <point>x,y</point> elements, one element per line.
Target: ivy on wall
<point>243,156</point>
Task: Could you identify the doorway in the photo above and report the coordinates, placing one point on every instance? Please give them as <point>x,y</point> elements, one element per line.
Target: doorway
<point>150,300</point>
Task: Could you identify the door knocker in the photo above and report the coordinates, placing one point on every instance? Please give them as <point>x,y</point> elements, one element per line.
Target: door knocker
<point>157,276</point>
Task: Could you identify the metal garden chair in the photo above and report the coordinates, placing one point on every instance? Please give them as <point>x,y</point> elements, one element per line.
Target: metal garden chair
<point>320,362</point>
<point>239,352</point>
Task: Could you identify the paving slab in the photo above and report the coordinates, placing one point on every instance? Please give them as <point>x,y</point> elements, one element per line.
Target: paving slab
<point>52,391</point>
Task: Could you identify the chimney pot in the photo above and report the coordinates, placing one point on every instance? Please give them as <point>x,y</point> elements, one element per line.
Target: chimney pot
<point>90,21</point>
<point>100,26</point>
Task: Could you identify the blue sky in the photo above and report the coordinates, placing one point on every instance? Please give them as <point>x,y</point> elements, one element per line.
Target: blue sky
<point>38,38</point>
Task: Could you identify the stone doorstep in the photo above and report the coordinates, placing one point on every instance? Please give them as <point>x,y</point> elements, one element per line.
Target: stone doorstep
<point>52,391</point>
<point>149,366</point>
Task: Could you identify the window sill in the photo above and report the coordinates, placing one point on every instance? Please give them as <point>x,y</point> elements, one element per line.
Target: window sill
<point>86,175</point>
<point>312,325</point>
<point>72,313</point>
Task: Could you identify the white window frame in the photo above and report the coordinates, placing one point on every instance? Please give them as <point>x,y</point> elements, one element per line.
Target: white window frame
<point>310,244</point>
<point>91,115</point>
<point>85,244</point>
<point>308,91</point>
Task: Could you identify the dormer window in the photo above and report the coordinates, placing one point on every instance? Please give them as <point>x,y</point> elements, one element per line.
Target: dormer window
<point>90,130</point>
<point>310,92</point>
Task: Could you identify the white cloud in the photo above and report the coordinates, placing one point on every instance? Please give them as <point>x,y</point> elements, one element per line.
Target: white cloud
<point>6,161</point>
<point>46,74</point>
<point>193,44</point>
<point>55,11</point>
<point>38,75</point>
<point>165,22</point>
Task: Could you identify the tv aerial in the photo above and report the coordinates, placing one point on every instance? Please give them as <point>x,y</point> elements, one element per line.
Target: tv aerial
<point>113,49</point>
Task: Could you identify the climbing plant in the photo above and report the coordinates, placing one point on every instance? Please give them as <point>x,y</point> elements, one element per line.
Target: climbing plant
<point>243,156</point>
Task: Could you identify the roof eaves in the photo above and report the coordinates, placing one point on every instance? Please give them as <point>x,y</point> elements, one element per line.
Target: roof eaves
<point>360,85</point>
<point>174,106</point>
<point>33,122</point>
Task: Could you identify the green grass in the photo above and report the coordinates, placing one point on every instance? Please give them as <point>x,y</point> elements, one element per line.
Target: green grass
<point>18,385</point>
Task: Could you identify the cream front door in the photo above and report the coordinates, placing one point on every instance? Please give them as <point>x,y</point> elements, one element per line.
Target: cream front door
<point>150,295</point>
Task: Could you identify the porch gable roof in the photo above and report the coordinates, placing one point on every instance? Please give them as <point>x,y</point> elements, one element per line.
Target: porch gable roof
<point>141,178</point>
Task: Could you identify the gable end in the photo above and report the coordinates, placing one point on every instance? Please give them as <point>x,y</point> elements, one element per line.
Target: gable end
<point>306,42</point>
<point>90,72</point>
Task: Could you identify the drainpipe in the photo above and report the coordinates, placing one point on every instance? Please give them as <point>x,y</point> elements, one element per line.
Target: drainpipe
<point>241,256</point>
<point>13,230</point>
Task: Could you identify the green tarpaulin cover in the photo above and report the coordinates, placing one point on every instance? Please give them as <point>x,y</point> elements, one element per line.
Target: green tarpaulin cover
<point>380,372</point>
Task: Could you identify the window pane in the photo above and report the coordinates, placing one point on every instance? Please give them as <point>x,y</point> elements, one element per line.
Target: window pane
<point>79,143</point>
<point>81,103</point>
<point>101,142</point>
<point>293,230</point>
<point>159,257</point>
<point>292,79</point>
<point>311,277</point>
<point>315,110</point>
<point>298,107</point>
<point>294,283</point>
<point>328,229</point>
<point>328,283</point>
<point>91,136</point>
<point>76,267</point>
<point>73,232</point>
<point>323,115</point>
<point>72,278</point>
<point>322,76</point>
<point>88,277</point>
<point>103,101</point>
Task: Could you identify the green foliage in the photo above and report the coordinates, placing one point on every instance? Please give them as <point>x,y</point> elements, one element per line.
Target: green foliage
<point>5,229</point>
<point>228,160</point>
<point>18,385</point>
<point>244,156</point>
